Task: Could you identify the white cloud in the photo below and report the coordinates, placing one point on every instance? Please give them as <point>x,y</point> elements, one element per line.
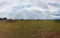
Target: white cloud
<point>14,7</point>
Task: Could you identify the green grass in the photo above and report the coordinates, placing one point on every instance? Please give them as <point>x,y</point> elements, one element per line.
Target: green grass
<point>28,29</point>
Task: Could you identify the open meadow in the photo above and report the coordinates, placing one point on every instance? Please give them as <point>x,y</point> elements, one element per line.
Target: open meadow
<point>30,29</point>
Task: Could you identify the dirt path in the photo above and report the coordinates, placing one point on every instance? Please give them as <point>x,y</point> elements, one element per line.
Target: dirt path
<point>54,35</point>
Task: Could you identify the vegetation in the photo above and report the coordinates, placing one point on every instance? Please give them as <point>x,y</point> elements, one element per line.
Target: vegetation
<point>28,28</point>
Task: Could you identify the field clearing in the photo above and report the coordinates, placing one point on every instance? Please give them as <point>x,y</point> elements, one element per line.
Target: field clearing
<point>30,29</point>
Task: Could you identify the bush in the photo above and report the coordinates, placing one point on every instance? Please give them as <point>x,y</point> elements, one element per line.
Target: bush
<point>10,20</point>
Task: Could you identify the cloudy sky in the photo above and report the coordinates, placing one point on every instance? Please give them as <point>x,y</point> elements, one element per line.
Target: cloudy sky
<point>30,9</point>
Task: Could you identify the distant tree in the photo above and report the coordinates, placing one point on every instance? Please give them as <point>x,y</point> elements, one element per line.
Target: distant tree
<point>57,20</point>
<point>10,20</point>
<point>22,19</point>
<point>1,19</point>
<point>5,18</point>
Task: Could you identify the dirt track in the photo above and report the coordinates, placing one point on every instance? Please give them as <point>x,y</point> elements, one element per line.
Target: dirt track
<point>53,35</point>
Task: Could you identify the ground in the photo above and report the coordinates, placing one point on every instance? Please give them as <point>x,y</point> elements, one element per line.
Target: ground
<point>30,29</point>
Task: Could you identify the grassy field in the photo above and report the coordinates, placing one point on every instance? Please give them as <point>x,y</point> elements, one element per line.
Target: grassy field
<point>30,29</point>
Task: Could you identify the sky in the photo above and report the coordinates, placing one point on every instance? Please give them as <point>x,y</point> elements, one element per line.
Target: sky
<point>30,9</point>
